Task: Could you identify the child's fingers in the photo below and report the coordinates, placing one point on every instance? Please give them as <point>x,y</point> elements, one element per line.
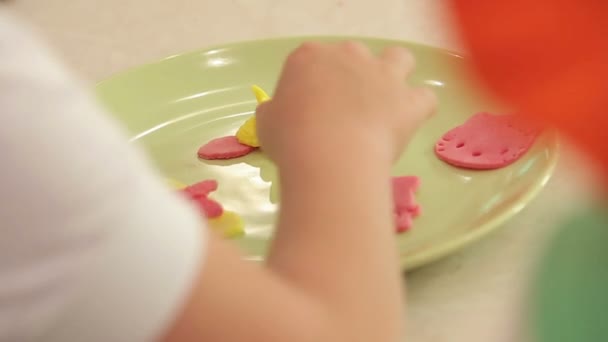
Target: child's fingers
<point>423,102</point>
<point>398,59</point>
<point>262,108</point>
<point>261,114</point>
<point>356,48</point>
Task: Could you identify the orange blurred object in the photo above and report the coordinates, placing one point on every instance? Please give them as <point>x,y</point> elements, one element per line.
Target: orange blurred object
<point>549,58</point>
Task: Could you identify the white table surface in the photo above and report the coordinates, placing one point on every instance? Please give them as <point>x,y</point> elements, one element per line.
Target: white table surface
<point>475,295</point>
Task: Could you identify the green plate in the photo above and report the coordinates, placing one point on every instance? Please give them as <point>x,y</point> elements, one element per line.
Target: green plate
<point>173,106</point>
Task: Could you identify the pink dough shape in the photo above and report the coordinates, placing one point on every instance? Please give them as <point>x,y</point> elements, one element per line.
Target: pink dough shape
<point>201,189</point>
<point>224,148</point>
<point>210,208</point>
<point>486,141</point>
<point>403,222</point>
<point>403,192</point>
<point>199,192</point>
<point>405,206</point>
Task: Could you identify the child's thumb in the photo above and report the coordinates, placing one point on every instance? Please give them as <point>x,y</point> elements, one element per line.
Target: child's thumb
<point>263,109</point>
<point>423,105</point>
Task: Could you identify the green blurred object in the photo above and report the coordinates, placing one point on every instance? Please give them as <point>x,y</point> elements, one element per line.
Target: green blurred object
<point>570,296</point>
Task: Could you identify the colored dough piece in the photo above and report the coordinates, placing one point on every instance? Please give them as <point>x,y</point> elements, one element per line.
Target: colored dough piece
<point>201,189</point>
<point>230,224</point>
<point>224,148</point>
<point>199,192</point>
<point>177,185</point>
<point>247,133</point>
<point>209,207</point>
<point>406,208</point>
<point>486,141</point>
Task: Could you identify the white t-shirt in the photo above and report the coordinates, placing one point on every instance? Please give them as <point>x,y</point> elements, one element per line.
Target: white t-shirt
<point>93,245</point>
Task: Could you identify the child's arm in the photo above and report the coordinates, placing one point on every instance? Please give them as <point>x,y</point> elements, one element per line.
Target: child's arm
<point>332,275</point>
<point>94,247</point>
<point>338,119</point>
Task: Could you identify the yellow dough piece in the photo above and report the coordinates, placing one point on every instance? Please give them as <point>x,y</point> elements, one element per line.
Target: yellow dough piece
<point>247,133</point>
<point>260,94</point>
<point>230,225</point>
<point>175,184</point>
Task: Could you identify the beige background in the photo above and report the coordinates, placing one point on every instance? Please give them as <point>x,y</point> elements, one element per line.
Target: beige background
<point>475,295</point>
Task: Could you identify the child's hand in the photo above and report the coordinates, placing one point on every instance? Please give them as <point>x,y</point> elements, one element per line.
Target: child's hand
<point>331,97</point>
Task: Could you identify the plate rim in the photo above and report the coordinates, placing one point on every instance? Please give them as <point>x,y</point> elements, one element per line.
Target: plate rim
<point>329,37</point>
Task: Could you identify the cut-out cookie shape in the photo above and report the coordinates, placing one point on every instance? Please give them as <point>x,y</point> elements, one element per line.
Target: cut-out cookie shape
<point>406,208</point>
<point>228,223</point>
<point>209,207</point>
<point>247,133</point>
<point>201,189</point>
<point>224,148</point>
<point>199,192</point>
<point>486,141</point>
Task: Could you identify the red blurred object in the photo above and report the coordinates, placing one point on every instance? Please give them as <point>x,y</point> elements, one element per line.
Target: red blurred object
<point>549,58</point>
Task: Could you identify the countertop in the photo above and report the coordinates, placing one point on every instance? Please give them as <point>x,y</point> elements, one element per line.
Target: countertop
<point>476,295</point>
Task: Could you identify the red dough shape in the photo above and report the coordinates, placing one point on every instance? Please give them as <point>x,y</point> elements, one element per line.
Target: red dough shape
<point>406,208</point>
<point>224,148</point>
<point>201,189</point>
<point>486,141</point>
<point>210,207</point>
<point>404,187</point>
<point>199,192</point>
<point>403,222</point>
